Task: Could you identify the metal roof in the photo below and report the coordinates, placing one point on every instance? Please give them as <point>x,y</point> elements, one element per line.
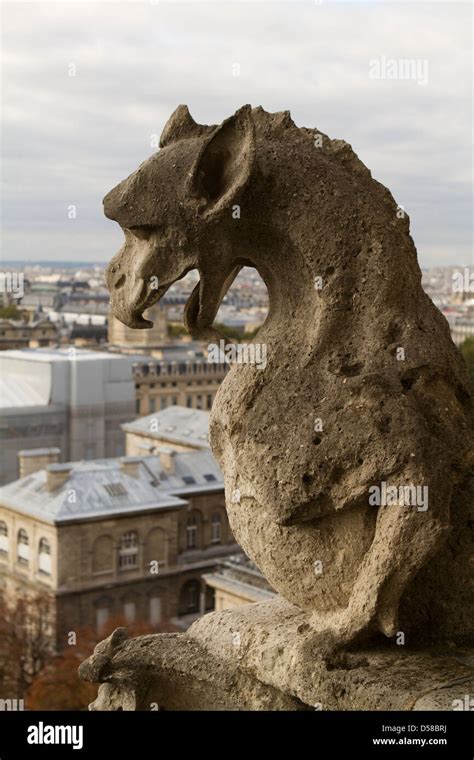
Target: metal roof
<point>17,390</point>
<point>105,488</point>
<point>176,424</point>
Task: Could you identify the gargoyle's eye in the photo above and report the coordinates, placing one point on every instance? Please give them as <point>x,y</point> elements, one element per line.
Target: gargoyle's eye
<point>143,232</point>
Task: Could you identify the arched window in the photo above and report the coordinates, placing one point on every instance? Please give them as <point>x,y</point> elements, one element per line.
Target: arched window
<point>216,533</point>
<point>155,610</point>
<point>189,598</point>
<point>191,532</point>
<point>104,608</point>
<point>128,550</point>
<point>129,611</point>
<point>4,544</point>
<point>23,549</point>
<point>44,556</point>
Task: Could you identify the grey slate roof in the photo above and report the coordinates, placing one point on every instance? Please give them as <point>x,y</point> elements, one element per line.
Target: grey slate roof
<point>176,424</point>
<point>88,493</point>
<point>102,488</point>
<point>194,472</point>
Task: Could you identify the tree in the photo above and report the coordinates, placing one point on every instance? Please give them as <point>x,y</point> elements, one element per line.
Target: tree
<point>58,686</point>
<point>11,312</point>
<point>25,641</point>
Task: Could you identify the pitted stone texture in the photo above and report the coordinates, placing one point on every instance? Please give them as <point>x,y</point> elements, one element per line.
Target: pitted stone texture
<point>262,657</point>
<point>362,384</point>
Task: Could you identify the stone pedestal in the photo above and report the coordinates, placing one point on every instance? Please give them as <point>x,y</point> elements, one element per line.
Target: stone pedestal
<point>264,657</point>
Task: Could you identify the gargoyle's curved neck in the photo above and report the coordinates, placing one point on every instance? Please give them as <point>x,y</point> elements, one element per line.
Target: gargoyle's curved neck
<point>291,290</point>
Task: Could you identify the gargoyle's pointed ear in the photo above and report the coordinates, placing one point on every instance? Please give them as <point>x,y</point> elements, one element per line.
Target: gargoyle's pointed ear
<point>179,126</point>
<point>225,162</point>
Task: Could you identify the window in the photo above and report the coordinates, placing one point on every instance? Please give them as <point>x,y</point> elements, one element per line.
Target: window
<point>191,532</point>
<point>216,528</point>
<point>189,402</point>
<point>188,479</point>
<point>152,405</point>
<point>3,539</point>
<point>174,400</point>
<point>129,612</point>
<point>209,400</point>
<point>102,617</point>
<point>115,489</point>
<point>128,551</point>
<point>189,598</point>
<point>137,405</point>
<point>155,610</point>
<point>199,401</point>
<point>23,549</point>
<point>192,596</point>
<point>163,402</point>
<point>209,477</point>
<point>44,557</point>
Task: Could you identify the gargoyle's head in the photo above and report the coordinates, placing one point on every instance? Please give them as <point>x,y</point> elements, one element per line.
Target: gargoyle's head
<point>174,211</point>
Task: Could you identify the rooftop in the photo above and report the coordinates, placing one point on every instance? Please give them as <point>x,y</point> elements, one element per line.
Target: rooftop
<point>111,487</point>
<point>60,354</point>
<point>20,391</point>
<point>175,424</point>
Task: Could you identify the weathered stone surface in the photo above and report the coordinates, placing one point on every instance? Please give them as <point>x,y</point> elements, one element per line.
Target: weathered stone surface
<point>363,350</point>
<point>262,657</point>
<point>362,388</point>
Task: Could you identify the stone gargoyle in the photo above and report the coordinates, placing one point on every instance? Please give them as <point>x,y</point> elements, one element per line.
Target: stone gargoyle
<point>363,392</point>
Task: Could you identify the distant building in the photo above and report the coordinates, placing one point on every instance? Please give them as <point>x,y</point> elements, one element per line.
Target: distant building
<point>238,581</point>
<point>72,399</point>
<point>126,338</point>
<point>82,307</point>
<point>177,427</point>
<point>461,328</point>
<point>182,376</point>
<point>19,334</point>
<point>42,296</point>
<point>128,537</point>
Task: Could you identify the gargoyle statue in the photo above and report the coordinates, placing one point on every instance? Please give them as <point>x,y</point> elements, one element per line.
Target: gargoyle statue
<point>348,457</point>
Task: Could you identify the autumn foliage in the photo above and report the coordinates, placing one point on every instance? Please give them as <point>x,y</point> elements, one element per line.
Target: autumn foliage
<point>30,669</point>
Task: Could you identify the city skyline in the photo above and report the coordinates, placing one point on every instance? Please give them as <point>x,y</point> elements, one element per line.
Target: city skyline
<point>86,96</point>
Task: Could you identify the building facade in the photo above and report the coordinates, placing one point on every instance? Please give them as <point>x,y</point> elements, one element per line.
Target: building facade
<point>183,377</point>
<point>127,538</point>
<point>17,334</point>
<point>72,399</point>
<point>178,427</point>
<point>238,581</point>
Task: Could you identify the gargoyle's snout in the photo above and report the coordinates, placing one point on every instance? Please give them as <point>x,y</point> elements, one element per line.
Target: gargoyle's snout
<point>129,296</point>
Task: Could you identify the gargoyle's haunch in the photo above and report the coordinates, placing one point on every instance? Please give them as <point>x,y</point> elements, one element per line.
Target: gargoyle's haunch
<point>352,341</point>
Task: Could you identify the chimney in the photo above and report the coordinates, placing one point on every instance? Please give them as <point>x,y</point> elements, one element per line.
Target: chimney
<point>32,460</point>
<point>57,475</point>
<point>167,455</point>
<point>131,466</point>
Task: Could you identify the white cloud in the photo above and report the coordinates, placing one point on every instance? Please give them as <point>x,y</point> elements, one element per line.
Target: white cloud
<point>70,139</point>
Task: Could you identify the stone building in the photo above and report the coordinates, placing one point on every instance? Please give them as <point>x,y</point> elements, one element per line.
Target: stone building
<point>72,399</point>
<point>18,334</point>
<point>178,427</point>
<point>238,581</point>
<point>125,537</point>
<point>128,339</point>
<point>182,376</point>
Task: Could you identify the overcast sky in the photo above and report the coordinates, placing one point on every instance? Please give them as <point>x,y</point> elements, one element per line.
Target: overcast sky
<point>69,139</point>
